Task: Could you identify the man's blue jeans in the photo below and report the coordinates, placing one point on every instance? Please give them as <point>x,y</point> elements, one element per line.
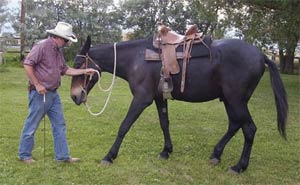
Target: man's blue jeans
<point>37,111</point>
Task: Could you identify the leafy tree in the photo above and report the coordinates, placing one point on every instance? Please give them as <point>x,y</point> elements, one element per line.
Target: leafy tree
<point>88,17</point>
<point>261,22</point>
<point>3,13</point>
<point>206,14</point>
<point>143,16</point>
<point>97,18</point>
<point>284,28</point>
<point>269,22</point>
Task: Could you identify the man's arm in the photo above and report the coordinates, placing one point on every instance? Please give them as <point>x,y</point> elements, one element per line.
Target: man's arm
<point>74,72</point>
<point>30,73</point>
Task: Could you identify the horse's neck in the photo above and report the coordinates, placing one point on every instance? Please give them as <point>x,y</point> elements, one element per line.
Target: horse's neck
<point>105,58</point>
<point>126,53</point>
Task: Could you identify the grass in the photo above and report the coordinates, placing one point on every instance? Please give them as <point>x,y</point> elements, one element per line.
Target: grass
<point>195,129</point>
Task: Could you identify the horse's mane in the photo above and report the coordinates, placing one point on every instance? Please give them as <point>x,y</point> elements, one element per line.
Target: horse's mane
<point>124,43</point>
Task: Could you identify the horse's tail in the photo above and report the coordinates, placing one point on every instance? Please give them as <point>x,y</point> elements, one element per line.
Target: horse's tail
<point>280,96</point>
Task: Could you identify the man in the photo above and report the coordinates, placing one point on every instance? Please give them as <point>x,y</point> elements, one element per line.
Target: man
<point>44,66</point>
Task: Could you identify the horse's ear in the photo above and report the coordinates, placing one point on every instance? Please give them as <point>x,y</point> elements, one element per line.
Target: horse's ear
<point>86,46</point>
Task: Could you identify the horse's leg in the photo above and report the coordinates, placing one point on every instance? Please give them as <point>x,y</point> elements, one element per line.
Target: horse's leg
<point>239,116</point>
<point>249,130</point>
<point>162,108</point>
<point>233,127</point>
<point>136,108</point>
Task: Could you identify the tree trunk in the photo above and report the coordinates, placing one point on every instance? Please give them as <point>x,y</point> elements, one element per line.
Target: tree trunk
<point>22,31</point>
<point>281,60</point>
<point>287,61</point>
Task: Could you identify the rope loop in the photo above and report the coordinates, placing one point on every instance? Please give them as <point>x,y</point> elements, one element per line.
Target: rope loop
<point>109,89</point>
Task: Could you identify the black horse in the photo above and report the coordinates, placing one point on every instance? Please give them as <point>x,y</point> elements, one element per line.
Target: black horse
<point>231,75</point>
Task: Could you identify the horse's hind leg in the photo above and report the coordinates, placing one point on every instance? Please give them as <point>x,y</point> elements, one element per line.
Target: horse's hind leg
<point>233,127</point>
<point>249,130</point>
<point>162,108</point>
<point>239,117</point>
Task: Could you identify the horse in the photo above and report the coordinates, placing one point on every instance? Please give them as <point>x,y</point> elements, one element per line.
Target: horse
<point>231,74</point>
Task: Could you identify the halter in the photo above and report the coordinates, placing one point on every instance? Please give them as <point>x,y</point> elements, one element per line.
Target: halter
<point>109,89</point>
<point>87,60</point>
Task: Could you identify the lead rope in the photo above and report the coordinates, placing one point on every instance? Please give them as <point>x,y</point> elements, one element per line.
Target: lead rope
<point>44,107</point>
<point>109,89</point>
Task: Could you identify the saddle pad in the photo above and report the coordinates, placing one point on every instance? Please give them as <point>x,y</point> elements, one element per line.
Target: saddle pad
<point>198,50</point>
<point>152,55</point>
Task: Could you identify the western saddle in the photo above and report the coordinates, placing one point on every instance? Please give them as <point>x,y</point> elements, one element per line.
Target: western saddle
<point>166,41</point>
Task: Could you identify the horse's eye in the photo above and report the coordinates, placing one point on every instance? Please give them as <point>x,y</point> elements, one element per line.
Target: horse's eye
<point>77,65</point>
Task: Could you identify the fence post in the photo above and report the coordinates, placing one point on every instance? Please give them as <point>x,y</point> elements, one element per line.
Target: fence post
<point>1,59</point>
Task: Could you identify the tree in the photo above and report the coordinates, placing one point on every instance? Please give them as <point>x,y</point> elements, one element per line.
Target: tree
<point>269,22</point>
<point>3,13</point>
<point>97,18</point>
<point>262,22</point>
<point>285,29</point>
<point>88,17</point>
<point>143,16</point>
<point>22,30</point>
<point>207,15</point>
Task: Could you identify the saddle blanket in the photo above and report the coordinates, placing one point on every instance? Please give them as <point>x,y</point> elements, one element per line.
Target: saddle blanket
<point>198,50</point>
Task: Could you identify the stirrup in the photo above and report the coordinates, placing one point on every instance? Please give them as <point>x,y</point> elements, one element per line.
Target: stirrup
<point>166,87</point>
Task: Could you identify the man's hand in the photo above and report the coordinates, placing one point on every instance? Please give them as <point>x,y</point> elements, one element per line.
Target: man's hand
<point>40,89</point>
<point>75,72</point>
<point>89,71</point>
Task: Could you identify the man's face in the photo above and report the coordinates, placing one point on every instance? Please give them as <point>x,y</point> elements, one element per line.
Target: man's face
<point>62,42</point>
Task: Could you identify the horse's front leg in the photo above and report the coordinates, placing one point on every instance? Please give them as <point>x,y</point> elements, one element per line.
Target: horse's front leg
<point>162,108</point>
<point>136,108</point>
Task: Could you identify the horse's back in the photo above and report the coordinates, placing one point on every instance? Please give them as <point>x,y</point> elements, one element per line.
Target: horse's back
<point>234,70</point>
<point>238,53</point>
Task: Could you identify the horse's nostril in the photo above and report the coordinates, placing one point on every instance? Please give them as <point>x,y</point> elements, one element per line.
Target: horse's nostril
<point>83,96</point>
<point>83,93</point>
<point>74,98</point>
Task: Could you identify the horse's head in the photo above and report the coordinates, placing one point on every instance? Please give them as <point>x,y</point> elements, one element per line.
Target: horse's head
<point>82,84</point>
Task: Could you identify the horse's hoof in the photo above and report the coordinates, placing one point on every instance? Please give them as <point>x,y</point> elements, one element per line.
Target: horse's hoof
<point>164,156</point>
<point>105,163</point>
<point>214,161</point>
<point>233,172</point>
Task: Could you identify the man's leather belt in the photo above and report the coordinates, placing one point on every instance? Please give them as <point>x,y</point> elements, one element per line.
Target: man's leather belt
<point>32,87</point>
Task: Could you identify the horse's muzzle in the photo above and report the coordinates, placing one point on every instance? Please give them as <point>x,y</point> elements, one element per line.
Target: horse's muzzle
<point>79,98</point>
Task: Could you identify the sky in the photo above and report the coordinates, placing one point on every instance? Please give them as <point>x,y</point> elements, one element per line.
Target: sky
<point>12,4</point>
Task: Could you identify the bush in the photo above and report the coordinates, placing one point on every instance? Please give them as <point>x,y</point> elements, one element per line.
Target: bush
<point>11,59</point>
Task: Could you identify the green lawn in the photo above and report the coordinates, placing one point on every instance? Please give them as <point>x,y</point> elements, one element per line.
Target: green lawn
<point>195,129</point>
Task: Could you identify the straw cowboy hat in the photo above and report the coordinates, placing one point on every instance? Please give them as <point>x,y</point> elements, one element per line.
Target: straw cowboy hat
<point>63,30</point>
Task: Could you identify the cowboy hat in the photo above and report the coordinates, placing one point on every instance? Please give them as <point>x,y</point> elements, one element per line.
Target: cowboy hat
<point>63,30</point>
